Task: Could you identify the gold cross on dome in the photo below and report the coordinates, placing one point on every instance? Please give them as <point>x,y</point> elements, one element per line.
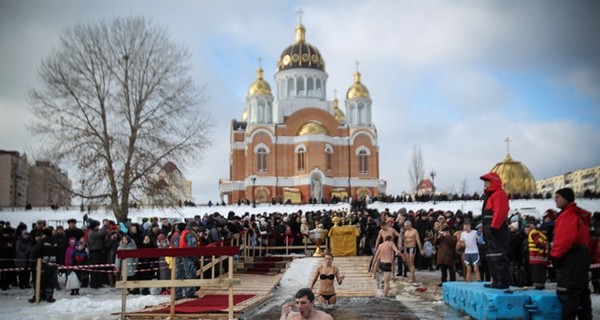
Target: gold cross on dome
<point>300,13</point>
<point>508,141</point>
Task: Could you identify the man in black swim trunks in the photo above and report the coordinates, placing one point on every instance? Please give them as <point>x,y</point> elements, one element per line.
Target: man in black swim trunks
<point>384,258</point>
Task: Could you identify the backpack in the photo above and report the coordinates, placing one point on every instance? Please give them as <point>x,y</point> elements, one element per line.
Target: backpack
<point>428,249</point>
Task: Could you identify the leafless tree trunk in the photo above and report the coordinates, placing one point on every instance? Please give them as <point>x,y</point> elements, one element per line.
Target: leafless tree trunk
<point>463,187</point>
<point>117,100</point>
<point>415,170</point>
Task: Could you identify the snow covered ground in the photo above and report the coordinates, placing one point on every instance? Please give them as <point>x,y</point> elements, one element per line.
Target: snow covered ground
<point>99,304</point>
<point>54,217</point>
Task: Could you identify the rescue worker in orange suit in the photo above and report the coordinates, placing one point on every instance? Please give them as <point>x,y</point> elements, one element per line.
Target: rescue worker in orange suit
<point>495,230</point>
<point>571,257</point>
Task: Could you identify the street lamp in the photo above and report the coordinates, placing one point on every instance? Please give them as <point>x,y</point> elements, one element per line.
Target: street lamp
<point>433,174</point>
<point>253,178</point>
<point>82,189</point>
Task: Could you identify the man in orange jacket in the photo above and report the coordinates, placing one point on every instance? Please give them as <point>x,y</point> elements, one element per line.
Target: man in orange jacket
<point>571,257</point>
<point>495,230</point>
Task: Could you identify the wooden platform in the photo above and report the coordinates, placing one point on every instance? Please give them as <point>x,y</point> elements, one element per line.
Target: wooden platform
<point>357,283</point>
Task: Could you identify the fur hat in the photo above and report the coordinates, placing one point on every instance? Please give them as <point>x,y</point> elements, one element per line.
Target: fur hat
<point>566,193</point>
<point>193,223</point>
<point>94,224</point>
<point>181,226</point>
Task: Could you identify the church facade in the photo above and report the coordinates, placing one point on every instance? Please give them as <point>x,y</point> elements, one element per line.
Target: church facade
<point>293,144</point>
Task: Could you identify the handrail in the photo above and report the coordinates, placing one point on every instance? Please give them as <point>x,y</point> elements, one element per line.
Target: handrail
<point>173,283</point>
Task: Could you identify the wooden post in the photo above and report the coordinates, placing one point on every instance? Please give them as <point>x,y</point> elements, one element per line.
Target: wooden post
<point>124,267</point>
<point>230,287</point>
<point>212,269</point>
<point>202,267</point>
<point>38,279</point>
<point>287,246</point>
<point>173,276</point>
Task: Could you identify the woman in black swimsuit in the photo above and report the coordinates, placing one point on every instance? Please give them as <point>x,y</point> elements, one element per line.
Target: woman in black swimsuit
<point>327,274</point>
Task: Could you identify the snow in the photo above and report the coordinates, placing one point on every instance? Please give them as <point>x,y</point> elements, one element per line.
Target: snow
<point>101,303</point>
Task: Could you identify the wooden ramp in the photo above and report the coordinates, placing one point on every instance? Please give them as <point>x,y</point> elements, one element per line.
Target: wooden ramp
<point>358,281</point>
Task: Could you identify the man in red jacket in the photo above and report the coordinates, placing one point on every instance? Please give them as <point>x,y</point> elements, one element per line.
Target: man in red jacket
<point>571,257</point>
<point>495,230</point>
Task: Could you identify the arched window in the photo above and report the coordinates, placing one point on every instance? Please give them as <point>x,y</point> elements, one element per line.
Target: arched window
<point>290,87</point>
<point>328,158</point>
<point>300,86</point>
<point>301,158</point>
<point>310,86</point>
<point>281,90</point>
<point>260,111</point>
<point>261,160</point>
<point>362,113</point>
<point>363,161</point>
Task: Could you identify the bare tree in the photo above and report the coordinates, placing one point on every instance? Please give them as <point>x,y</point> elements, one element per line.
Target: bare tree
<point>117,100</point>
<point>415,170</point>
<point>463,187</point>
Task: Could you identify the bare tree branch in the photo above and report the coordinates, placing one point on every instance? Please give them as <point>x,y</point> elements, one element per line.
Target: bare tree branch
<point>118,101</point>
<point>416,172</point>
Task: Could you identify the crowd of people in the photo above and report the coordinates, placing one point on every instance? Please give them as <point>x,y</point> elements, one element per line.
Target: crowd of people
<point>491,246</point>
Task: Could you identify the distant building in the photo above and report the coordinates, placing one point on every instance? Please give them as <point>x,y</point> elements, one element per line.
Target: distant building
<point>48,186</point>
<point>170,188</point>
<point>293,144</point>
<point>582,180</point>
<point>14,179</point>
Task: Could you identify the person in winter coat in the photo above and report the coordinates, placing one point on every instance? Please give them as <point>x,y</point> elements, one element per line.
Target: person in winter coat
<point>45,248</point>
<point>22,248</point>
<point>571,256</point>
<point>127,244</point>
<point>495,230</point>
<point>148,264</point>
<point>164,272</point>
<point>79,257</point>
<point>538,255</point>
<point>188,239</point>
<point>446,249</point>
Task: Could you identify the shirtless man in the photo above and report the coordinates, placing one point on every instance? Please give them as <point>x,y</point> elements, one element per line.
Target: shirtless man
<point>412,241</point>
<point>386,229</point>
<point>305,303</point>
<point>384,260</point>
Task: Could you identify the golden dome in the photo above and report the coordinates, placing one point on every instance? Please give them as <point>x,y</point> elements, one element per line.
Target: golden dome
<point>312,127</point>
<point>259,86</point>
<point>516,177</point>
<point>339,114</point>
<point>301,54</point>
<point>357,90</point>
<point>245,114</point>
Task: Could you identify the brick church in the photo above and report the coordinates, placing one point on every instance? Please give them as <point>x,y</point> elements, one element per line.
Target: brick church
<point>293,144</point>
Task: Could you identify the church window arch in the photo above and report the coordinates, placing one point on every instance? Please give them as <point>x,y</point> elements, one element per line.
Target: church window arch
<point>310,86</point>
<point>301,157</point>
<point>363,154</point>
<point>261,160</point>
<point>328,157</point>
<point>362,113</point>
<point>300,86</point>
<point>290,87</point>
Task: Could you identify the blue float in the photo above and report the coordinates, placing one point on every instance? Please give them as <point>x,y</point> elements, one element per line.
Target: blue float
<point>480,302</point>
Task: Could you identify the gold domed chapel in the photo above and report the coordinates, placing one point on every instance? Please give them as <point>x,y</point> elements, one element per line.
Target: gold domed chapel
<point>293,144</point>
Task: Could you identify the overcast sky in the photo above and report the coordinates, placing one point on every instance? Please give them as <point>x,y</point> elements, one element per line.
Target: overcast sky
<point>454,78</point>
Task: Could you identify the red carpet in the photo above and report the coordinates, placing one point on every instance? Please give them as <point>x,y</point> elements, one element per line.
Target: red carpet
<point>205,304</point>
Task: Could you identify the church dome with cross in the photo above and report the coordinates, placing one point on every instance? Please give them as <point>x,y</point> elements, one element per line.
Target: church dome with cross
<point>516,177</point>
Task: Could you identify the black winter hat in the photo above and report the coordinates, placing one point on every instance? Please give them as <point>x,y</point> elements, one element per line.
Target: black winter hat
<point>567,193</point>
<point>181,226</point>
<point>193,223</point>
<point>94,224</point>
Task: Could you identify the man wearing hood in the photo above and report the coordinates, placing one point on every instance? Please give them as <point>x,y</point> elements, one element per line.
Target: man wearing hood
<point>571,257</point>
<point>495,230</point>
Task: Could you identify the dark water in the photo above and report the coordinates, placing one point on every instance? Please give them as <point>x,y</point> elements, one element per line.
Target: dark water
<point>370,308</point>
